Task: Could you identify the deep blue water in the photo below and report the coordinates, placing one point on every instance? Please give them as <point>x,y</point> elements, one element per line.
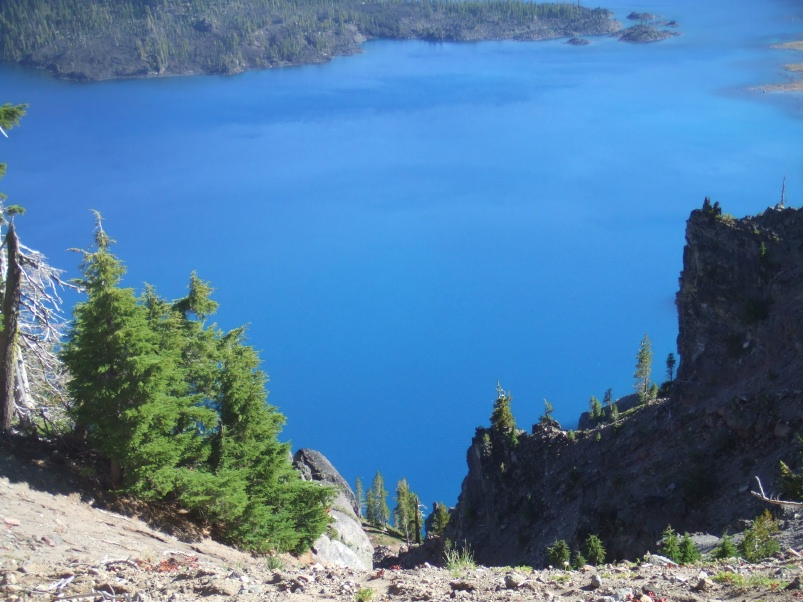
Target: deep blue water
<point>403,228</point>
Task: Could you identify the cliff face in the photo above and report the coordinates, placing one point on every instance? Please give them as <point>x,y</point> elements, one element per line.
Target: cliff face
<point>688,461</point>
<point>740,305</point>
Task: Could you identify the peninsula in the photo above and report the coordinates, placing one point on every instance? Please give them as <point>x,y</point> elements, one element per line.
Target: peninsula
<point>91,40</point>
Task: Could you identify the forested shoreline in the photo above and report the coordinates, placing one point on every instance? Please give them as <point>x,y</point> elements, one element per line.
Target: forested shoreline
<point>101,39</point>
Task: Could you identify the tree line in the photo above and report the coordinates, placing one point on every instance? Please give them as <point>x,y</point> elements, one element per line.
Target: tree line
<point>163,32</point>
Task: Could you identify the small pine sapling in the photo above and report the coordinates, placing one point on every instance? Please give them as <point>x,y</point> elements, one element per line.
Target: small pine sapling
<point>688,552</point>
<point>595,552</point>
<point>669,545</point>
<point>726,549</point>
<point>559,554</point>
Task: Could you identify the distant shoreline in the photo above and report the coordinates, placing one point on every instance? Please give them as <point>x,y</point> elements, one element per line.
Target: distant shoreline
<point>796,68</point>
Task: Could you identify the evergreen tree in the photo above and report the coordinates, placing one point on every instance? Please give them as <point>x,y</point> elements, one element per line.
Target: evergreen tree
<point>643,369</point>
<point>687,550</point>
<point>559,554</point>
<point>359,493</point>
<point>607,399</point>
<point>595,409</point>
<point>594,550</point>
<point>407,513</point>
<point>377,512</point>
<point>670,367</point>
<point>119,380</point>
<point>726,549</point>
<point>440,518</point>
<point>281,511</point>
<point>670,546</point>
<point>546,417</point>
<point>502,421</point>
<point>180,409</point>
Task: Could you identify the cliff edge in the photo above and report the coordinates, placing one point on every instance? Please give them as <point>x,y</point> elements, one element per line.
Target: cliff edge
<point>688,460</point>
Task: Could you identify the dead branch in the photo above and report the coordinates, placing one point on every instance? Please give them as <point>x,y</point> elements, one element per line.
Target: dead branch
<point>774,500</point>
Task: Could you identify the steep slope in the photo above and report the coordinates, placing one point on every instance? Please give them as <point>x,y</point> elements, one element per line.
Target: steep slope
<point>689,460</point>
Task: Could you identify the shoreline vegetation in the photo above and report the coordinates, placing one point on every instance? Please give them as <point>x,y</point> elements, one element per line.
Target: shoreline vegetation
<point>91,40</point>
<point>795,85</point>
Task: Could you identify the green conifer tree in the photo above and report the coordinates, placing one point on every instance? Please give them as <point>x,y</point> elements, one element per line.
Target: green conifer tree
<point>502,422</point>
<point>643,369</point>
<point>594,551</point>
<point>440,518</point>
<point>119,380</point>
<point>359,493</point>
<point>377,512</point>
<point>281,511</point>
<point>595,409</point>
<point>407,513</point>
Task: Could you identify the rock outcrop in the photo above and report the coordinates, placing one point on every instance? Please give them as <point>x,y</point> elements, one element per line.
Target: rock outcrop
<point>345,544</point>
<point>688,460</point>
<point>740,305</point>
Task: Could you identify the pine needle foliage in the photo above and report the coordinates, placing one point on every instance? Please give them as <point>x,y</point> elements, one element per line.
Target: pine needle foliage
<point>502,422</point>
<point>180,409</point>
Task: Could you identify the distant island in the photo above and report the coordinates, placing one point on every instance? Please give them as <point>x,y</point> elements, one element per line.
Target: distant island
<point>92,40</point>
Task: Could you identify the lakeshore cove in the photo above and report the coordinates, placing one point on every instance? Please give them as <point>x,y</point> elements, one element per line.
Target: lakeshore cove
<point>403,228</point>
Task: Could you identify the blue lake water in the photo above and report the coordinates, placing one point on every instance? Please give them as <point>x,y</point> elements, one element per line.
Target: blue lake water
<point>403,228</point>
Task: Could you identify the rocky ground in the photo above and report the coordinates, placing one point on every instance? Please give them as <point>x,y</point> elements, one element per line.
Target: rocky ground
<point>55,543</point>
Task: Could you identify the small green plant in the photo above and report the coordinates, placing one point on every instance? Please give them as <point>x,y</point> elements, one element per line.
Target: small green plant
<point>595,552</point>
<point>571,436</point>
<point>561,578</point>
<point>759,541</point>
<point>598,438</point>
<point>791,481</point>
<point>457,560</point>
<point>274,562</point>
<point>727,549</point>
<point>559,554</point>
<point>364,595</point>
<point>669,545</point>
<point>578,560</point>
<point>688,552</point>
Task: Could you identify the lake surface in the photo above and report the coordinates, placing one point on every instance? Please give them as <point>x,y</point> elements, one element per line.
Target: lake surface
<point>404,228</point>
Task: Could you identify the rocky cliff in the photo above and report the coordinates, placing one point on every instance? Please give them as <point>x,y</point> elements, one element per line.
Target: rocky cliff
<point>688,460</point>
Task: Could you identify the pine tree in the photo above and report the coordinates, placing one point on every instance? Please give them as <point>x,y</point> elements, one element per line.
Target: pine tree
<point>559,554</point>
<point>687,550</point>
<point>546,417</point>
<point>670,546</point>
<point>440,518</point>
<point>359,493</point>
<point>643,369</point>
<point>377,512</point>
<point>181,409</point>
<point>670,367</point>
<point>281,511</point>
<point>595,409</point>
<point>118,377</point>
<point>594,550</point>
<point>407,515</point>
<point>502,422</point>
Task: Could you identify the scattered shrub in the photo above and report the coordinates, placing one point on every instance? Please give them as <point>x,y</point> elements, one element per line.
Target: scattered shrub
<point>559,554</point>
<point>579,561</point>
<point>688,551</point>
<point>669,545</point>
<point>727,549</point>
<point>456,560</point>
<point>595,552</point>
<point>759,541</point>
<point>364,595</point>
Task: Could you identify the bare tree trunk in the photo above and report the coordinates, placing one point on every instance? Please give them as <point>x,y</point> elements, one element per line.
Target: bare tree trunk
<point>8,337</point>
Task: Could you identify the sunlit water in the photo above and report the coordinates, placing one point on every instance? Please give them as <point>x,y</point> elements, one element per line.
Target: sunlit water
<point>403,228</point>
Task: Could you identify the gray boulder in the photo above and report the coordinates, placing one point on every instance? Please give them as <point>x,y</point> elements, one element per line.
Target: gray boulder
<point>345,542</point>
